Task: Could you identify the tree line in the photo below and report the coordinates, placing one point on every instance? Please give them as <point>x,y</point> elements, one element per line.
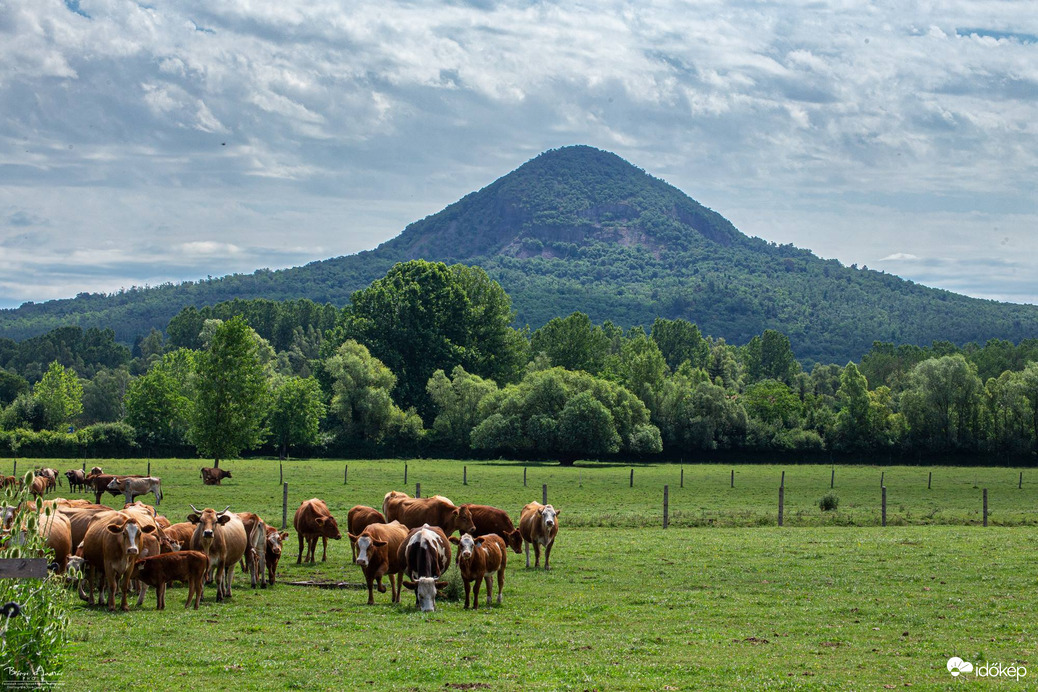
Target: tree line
<point>426,360</point>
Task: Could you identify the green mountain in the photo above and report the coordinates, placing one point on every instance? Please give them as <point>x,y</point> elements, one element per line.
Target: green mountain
<point>581,229</point>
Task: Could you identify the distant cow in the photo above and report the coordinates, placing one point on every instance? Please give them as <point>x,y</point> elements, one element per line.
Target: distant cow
<point>187,565</point>
<point>478,559</point>
<point>221,536</point>
<point>136,486</point>
<point>76,479</point>
<point>437,510</point>
<point>491,520</point>
<point>49,473</point>
<point>41,484</point>
<point>256,550</point>
<point>426,555</point>
<point>539,524</point>
<point>275,539</point>
<point>213,476</point>
<point>95,470</point>
<point>99,482</point>
<point>9,481</point>
<point>379,555</point>
<point>357,519</point>
<point>313,521</point>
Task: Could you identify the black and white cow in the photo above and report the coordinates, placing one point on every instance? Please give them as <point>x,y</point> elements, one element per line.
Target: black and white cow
<point>427,555</point>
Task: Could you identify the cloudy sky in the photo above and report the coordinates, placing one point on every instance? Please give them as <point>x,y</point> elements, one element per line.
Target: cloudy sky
<point>144,143</point>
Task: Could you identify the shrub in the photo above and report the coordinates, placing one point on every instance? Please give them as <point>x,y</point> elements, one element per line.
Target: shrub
<point>829,502</point>
<point>455,589</point>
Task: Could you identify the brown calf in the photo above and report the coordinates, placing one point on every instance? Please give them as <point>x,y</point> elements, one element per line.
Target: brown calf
<point>213,476</point>
<point>478,559</point>
<point>488,520</point>
<point>187,565</point>
<point>274,540</point>
<point>359,518</point>
<point>313,521</point>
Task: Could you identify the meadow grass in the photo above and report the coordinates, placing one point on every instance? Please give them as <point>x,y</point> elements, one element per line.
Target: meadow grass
<point>627,605</point>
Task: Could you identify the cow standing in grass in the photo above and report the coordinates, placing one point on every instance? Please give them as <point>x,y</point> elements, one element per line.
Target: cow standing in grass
<point>313,521</point>
<point>426,555</point>
<point>539,524</point>
<point>479,558</point>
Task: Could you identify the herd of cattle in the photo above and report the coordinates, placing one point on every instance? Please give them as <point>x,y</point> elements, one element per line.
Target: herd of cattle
<point>408,541</point>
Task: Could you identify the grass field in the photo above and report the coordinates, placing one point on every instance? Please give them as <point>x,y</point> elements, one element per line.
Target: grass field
<point>830,601</point>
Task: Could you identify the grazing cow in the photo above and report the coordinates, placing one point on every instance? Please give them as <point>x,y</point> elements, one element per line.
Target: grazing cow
<point>76,479</point>
<point>313,521</point>
<point>357,519</point>
<point>539,524</point>
<point>437,510</point>
<point>53,528</point>
<point>490,520</point>
<point>135,486</point>
<point>379,554</point>
<point>221,536</point>
<point>256,550</point>
<point>187,565</point>
<point>41,484</point>
<point>426,554</point>
<point>274,540</point>
<point>478,559</point>
<point>213,476</point>
<point>112,546</point>
<point>48,473</point>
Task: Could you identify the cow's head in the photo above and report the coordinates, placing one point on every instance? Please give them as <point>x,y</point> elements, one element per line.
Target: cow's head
<point>549,518</point>
<point>96,470</point>
<point>514,540</point>
<point>114,484</point>
<point>274,541</point>
<point>425,592</point>
<point>71,474</point>
<point>466,545</point>
<point>130,533</point>
<point>206,522</point>
<point>327,527</point>
<point>463,519</point>
<point>366,545</point>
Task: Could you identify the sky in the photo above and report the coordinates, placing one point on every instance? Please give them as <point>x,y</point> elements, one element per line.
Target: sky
<point>143,143</point>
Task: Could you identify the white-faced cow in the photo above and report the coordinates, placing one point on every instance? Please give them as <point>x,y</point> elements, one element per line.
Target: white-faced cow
<point>379,555</point>
<point>539,524</point>
<point>275,539</point>
<point>479,558</point>
<point>112,546</point>
<point>426,554</point>
<point>437,510</point>
<point>256,550</point>
<point>359,518</point>
<point>221,536</point>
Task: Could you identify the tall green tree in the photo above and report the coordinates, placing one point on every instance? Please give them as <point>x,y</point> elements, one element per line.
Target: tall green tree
<point>296,411</point>
<point>11,385</point>
<point>573,343</point>
<point>61,392</point>
<point>942,402</point>
<point>853,427</point>
<point>158,405</point>
<point>457,400</point>
<point>231,394</point>
<point>103,396</point>
<point>679,341</point>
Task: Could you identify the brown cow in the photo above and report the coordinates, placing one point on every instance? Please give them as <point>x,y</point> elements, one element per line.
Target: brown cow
<point>49,473</point>
<point>180,533</point>
<point>437,510</point>
<point>41,484</point>
<point>256,550</point>
<point>490,520</point>
<point>213,476</point>
<point>6,481</point>
<point>187,565</point>
<point>76,479</point>
<point>539,524</point>
<point>221,536</point>
<point>357,519</point>
<point>80,519</point>
<point>95,470</point>
<point>54,528</point>
<point>478,559</point>
<point>112,546</point>
<point>274,540</point>
<point>313,521</point>
<point>426,555</point>
<point>99,482</point>
<point>378,554</point>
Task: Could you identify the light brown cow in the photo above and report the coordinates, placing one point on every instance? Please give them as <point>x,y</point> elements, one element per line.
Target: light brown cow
<point>180,533</point>
<point>539,524</point>
<point>379,555</point>
<point>357,519</point>
<point>49,473</point>
<point>80,519</point>
<point>50,525</point>
<point>112,547</point>
<point>313,521</point>
<point>275,539</point>
<point>187,565</point>
<point>221,536</point>
<point>478,559</point>
<point>41,484</point>
<point>256,550</point>
<point>437,510</point>
<point>490,520</point>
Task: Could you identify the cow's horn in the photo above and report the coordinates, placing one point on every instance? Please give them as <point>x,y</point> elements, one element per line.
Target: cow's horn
<point>197,511</point>
<point>224,511</point>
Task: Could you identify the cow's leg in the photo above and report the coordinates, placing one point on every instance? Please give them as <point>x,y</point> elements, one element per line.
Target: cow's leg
<point>110,582</point>
<point>371,589</point>
<point>490,588</point>
<point>476,583</point>
<point>536,554</point>
<point>324,557</point>
<point>261,567</point>
<point>160,596</point>
<point>300,558</point>
<point>468,590</point>
<point>547,553</point>
<point>125,588</point>
<point>140,595</point>
<point>527,555</point>
<point>219,583</point>
<point>500,583</point>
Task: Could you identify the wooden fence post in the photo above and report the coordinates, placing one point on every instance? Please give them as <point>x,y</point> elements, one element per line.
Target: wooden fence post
<point>417,489</point>
<point>882,474</point>
<point>1021,485</point>
<point>985,506</point>
<point>524,476</point>
<point>405,474</point>
<point>149,469</point>
<point>465,475</point>
<point>281,475</point>
<point>782,483</point>
<point>346,475</point>
<point>84,467</point>
<point>832,479</point>
<point>682,477</point>
<point>666,506</point>
<point>632,478</point>
<point>884,505</point>
<point>733,478</point>
<point>544,494</point>
<point>284,506</point>
<point>929,480</point>
<point>782,491</point>
<point>23,568</point>
<point>15,468</point>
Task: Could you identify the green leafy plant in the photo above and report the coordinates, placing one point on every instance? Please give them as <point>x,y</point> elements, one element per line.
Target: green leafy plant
<point>829,502</point>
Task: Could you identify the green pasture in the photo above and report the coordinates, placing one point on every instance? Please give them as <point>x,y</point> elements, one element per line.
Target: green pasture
<point>826,602</point>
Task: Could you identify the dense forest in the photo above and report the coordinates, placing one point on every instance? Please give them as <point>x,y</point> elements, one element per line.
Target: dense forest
<point>582,230</point>
<point>426,360</point>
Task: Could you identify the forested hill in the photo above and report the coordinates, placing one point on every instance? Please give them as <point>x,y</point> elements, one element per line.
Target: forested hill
<point>578,229</point>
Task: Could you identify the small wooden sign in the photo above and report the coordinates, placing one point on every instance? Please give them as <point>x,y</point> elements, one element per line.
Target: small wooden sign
<point>23,568</point>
